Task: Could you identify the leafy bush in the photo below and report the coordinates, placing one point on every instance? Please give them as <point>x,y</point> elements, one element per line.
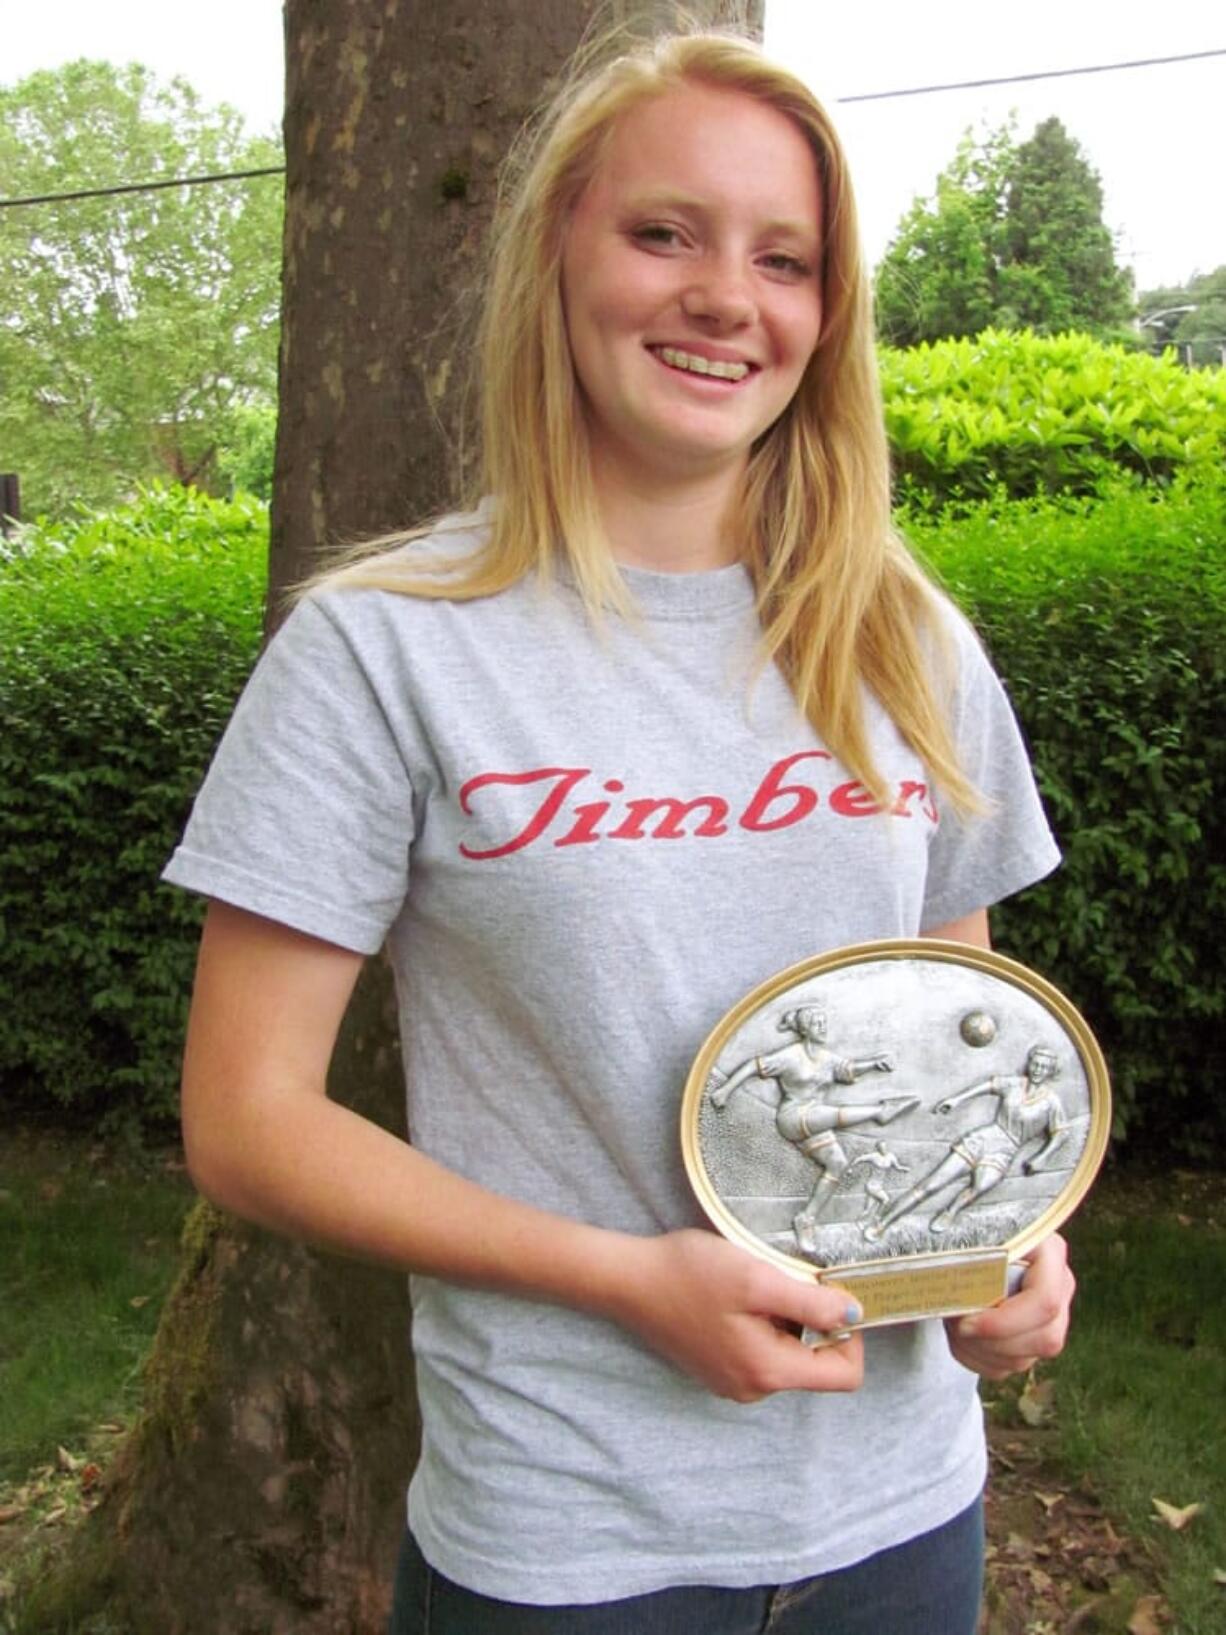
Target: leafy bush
<point>1108,622</point>
<point>124,641</point>
<point>1019,414</point>
<point>245,459</point>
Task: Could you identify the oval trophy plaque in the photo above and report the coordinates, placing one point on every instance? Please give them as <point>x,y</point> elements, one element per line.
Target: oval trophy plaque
<point>906,1118</point>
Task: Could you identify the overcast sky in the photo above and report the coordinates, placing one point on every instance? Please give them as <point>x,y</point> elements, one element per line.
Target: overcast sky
<point>1157,136</point>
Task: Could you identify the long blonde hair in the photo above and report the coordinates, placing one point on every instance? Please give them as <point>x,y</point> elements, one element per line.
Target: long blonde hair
<point>842,603</point>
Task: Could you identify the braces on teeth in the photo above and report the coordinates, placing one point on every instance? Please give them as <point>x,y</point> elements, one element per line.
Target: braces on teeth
<point>703,366</point>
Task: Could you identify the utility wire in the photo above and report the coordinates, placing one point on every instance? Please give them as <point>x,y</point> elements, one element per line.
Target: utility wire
<point>1021,79</point>
<point>867,96</point>
<point>142,187</point>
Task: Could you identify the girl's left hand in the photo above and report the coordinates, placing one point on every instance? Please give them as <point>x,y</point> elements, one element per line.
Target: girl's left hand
<point>1029,1325</point>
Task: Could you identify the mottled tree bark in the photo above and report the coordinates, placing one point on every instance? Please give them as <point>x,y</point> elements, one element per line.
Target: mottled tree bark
<point>262,1491</point>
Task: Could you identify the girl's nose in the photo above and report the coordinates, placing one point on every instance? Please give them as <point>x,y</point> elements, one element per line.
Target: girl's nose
<point>719,297</point>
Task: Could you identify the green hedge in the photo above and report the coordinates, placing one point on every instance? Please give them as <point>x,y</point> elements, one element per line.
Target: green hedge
<point>1108,621</point>
<point>1018,414</point>
<point>125,638</point>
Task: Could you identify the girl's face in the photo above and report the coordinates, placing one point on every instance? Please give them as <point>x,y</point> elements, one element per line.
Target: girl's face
<point>691,284</point>
<point>1040,1066</point>
<point>813,1026</point>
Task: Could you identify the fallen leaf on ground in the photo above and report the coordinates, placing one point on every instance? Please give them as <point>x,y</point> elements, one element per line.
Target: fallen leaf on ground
<point>1049,1501</point>
<point>91,1475</point>
<point>1219,1577</point>
<point>49,1191</point>
<point>66,1461</point>
<point>10,1512</point>
<point>1175,1517</point>
<point>1035,1402</point>
<point>139,1300</point>
<point>1148,1616</point>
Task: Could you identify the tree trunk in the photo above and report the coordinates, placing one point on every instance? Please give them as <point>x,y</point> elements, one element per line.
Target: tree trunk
<point>262,1491</point>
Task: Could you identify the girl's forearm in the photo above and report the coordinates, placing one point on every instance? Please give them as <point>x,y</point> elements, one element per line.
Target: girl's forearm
<point>304,1166</point>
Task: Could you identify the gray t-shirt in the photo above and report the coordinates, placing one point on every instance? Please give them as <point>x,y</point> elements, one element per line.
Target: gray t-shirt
<point>582,845</point>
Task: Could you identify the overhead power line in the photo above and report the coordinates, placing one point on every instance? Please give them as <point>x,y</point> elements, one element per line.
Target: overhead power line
<point>865,96</point>
<point>1022,79</point>
<point>143,187</point>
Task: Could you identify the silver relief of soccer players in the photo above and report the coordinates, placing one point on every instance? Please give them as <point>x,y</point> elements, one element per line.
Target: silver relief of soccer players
<point>905,1118</point>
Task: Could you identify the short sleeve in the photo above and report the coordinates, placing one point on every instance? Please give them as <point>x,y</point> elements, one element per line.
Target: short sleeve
<point>981,858</point>
<point>306,815</point>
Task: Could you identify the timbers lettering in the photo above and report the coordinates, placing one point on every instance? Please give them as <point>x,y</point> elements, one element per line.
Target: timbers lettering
<point>798,798</point>
<point>782,798</point>
<point>565,780</point>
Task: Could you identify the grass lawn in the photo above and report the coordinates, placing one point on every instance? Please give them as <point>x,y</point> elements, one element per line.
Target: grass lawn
<point>1140,1409</point>
<point>89,1245</point>
<point>1130,1413</point>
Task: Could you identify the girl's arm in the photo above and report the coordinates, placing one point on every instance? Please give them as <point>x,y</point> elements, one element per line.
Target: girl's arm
<point>739,1076</point>
<point>986,1087</point>
<point>1056,1133</point>
<point>870,1064</point>
<point>972,928</point>
<point>264,1141</point>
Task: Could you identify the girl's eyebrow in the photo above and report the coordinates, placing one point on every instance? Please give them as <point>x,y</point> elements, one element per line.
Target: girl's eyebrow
<point>661,200</point>
<point>672,200</point>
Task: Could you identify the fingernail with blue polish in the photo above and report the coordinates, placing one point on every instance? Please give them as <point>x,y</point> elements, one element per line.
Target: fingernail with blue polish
<point>853,1312</point>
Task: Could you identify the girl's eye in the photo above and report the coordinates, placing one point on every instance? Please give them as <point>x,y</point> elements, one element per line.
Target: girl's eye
<point>656,233</point>
<point>791,265</point>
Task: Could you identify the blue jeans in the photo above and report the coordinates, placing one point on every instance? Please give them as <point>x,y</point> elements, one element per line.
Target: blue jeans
<point>928,1586</point>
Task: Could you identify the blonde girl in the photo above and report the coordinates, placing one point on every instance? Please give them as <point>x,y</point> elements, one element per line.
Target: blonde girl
<point>670,709</point>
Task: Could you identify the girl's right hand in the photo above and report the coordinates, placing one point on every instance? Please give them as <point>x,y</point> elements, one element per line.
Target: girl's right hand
<point>732,1321</point>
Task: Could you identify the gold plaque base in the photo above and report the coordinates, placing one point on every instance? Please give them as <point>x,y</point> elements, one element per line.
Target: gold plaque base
<point>924,1286</point>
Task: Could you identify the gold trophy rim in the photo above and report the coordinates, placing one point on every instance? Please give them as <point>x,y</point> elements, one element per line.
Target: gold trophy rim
<point>900,948</point>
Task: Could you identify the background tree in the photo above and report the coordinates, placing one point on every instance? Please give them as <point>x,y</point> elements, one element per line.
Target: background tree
<point>262,1491</point>
<point>131,327</point>
<point>1200,335</point>
<point>938,275</point>
<point>1057,269</point>
<point>1012,237</point>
